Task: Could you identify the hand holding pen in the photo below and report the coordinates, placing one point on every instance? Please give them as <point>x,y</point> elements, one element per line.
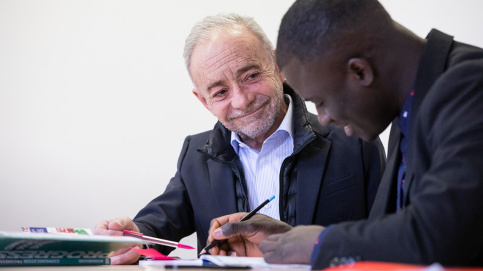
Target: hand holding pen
<point>115,227</point>
<point>237,227</point>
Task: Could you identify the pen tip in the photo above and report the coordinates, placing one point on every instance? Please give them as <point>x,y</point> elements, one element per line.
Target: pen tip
<point>202,252</point>
<point>185,246</point>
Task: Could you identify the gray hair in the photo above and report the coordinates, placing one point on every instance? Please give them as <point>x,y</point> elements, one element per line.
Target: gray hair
<point>202,30</point>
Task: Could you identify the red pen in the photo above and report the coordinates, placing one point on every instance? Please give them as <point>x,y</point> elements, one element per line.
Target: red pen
<point>155,240</point>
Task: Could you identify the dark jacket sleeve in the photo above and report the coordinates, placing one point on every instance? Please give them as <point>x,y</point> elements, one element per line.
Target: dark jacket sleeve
<point>170,215</point>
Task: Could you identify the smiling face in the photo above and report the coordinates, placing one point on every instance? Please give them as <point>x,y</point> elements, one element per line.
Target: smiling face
<point>345,93</point>
<point>237,81</point>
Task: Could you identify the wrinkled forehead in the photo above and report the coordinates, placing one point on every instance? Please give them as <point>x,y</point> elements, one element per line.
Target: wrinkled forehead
<point>225,52</point>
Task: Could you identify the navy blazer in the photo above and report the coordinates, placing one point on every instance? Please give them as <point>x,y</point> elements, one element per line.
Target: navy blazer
<point>329,178</point>
<point>443,216</point>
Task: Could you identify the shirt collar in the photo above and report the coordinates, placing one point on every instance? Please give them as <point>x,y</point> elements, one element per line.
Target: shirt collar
<point>286,125</point>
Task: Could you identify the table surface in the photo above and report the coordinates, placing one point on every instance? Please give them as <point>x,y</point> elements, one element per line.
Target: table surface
<point>117,267</point>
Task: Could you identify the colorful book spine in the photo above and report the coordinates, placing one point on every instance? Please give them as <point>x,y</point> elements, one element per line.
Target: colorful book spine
<point>57,230</point>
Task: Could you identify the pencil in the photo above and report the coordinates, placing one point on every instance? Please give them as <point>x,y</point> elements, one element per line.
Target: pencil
<point>248,216</point>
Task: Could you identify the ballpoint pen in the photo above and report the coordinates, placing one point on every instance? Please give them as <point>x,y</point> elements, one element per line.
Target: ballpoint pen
<point>252,213</point>
<point>155,240</point>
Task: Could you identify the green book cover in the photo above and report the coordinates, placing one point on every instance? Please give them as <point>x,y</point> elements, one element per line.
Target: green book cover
<point>26,248</point>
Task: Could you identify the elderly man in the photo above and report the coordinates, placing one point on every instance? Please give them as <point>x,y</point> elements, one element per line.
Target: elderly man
<point>265,143</point>
<point>363,70</point>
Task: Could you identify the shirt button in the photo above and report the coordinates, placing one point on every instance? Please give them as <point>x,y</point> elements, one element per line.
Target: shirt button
<point>263,161</point>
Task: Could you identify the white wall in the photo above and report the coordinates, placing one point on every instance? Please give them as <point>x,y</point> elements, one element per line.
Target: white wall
<point>95,101</point>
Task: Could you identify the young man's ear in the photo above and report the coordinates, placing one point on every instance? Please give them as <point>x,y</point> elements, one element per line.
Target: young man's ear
<point>279,74</point>
<point>277,69</point>
<point>360,70</point>
<point>200,97</point>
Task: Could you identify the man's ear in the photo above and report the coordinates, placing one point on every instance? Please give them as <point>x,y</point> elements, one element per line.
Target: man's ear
<point>200,97</point>
<point>360,70</point>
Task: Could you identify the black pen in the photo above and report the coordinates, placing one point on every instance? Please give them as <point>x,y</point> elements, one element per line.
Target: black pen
<point>250,214</point>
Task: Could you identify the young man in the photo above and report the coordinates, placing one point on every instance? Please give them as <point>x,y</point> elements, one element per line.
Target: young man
<point>363,70</point>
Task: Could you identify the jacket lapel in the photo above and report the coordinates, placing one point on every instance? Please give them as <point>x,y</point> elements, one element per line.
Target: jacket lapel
<point>223,186</point>
<point>222,178</point>
<point>432,65</point>
<point>314,164</point>
<point>313,161</point>
<point>385,201</point>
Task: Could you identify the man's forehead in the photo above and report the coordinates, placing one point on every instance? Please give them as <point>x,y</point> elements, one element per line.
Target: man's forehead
<point>231,48</point>
<point>225,56</point>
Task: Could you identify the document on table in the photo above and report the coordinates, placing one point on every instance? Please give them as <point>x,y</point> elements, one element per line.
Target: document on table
<point>228,261</point>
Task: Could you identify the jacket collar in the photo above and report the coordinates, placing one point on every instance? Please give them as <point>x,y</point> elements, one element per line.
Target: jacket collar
<point>432,64</point>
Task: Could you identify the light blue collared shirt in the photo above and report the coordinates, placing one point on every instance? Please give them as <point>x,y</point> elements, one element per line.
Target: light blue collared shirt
<point>262,169</point>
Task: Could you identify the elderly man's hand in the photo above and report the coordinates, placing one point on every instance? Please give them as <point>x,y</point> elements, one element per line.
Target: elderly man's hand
<point>243,237</point>
<point>115,227</point>
<point>292,247</point>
